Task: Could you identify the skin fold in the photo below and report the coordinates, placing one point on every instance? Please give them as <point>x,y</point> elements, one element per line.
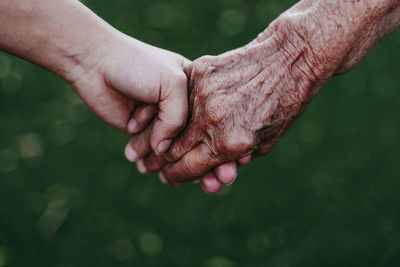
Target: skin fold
<point>243,101</point>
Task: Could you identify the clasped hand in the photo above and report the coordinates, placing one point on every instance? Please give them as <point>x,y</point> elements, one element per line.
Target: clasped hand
<point>197,120</point>
<point>241,104</point>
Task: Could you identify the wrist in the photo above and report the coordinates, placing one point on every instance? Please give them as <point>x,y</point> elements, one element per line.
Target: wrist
<point>87,57</point>
<point>63,36</point>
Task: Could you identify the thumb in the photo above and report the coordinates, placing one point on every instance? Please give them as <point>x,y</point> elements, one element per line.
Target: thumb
<point>172,115</point>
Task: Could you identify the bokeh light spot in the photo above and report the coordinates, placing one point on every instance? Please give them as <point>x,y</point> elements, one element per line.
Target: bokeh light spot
<point>30,146</point>
<point>258,243</point>
<point>56,212</point>
<point>161,15</point>
<point>61,133</point>
<point>3,256</point>
<point>266,10</point>
<point>150,243</point>
<point>231,22</point>
<point>311,132</point>
<point>8,160</point>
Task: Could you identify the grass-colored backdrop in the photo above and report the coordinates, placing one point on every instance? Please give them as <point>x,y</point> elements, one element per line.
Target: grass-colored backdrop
<point>328,194</point>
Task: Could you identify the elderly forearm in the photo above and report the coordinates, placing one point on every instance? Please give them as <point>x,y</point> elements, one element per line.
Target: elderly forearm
<point>362,24</point>
<point>335,35</point>
<point>243,101</point>
<point>59,35</point>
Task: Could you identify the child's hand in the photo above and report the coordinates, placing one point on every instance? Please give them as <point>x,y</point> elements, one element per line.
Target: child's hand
<point>131,83</point>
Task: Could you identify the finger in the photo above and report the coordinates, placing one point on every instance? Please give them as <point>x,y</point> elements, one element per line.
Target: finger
<point>138,146</point>
<point>184,143</point>
<point>140,166</point>
<point>111,106</point>
<point>194,164</point>
<point>210,183</point>
<point>153,163</point>
<point>141,118</point>
<point>244,160</point>
<point>192,71</point>
<point>162,178</point>
<point>227,172</point>
<point>172,114</point>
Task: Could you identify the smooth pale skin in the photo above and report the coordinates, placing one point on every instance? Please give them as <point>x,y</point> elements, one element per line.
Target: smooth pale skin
<point>122,80</point>
<point>243,101</point>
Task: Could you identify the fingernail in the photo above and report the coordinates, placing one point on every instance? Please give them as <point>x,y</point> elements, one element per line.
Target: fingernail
<point>163,146</point>
<point>131,154</point>
<point>162,178</point>
<point>232,180</point>
<point>140,166</point>
<point>132,125</point>
<point>245,160</point>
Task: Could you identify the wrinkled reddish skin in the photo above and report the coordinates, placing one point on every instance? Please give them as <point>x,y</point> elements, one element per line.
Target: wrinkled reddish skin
<point>243,101</point>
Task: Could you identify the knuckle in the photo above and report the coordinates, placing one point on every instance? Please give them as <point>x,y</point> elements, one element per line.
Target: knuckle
<point>135,143</point>
<point>215,110</point>
<point>199,68</point>
<point>174,85</point>
<point>171,123</point>
<point>177,123</point>
<point>179,79</point>
<point>193,170</point>
<point>180,119</point>
<point>236,144</point>
<point>174,153</point>
<point>196,167</point>
<point>203,63</point>
<point>144,114</point>
<point>169,156</point>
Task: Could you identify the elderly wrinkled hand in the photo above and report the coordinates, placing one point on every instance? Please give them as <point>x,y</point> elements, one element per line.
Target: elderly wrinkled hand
<point>243,101</point>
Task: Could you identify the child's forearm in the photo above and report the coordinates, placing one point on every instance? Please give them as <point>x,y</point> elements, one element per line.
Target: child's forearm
<point>62,36</point>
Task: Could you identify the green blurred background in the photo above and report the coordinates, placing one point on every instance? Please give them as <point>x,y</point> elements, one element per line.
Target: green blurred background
<point>328,194</point>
